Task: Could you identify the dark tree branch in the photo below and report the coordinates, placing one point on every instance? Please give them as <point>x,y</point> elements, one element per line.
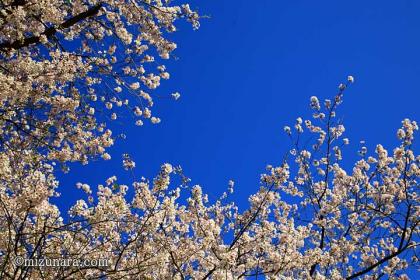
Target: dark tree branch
<point>49,32</point>
<point>401,248</point>
<point>368,269</point>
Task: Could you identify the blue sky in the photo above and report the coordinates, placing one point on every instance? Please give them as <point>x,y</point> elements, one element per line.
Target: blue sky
<point>251,69</point>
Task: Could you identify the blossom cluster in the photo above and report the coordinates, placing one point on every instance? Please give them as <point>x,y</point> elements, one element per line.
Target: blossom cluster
<point>311,218</point>
<point>68,68</point>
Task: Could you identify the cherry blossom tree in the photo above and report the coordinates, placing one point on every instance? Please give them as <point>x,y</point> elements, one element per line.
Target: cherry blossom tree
<point>62,62</point>
<point>320,223</point>
<point>70,67</point>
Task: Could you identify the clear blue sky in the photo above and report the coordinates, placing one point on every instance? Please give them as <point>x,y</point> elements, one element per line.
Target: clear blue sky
<point>251,68</point>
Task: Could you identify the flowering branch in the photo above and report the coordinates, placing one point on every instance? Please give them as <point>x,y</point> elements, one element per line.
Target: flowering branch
<point>49,32</point>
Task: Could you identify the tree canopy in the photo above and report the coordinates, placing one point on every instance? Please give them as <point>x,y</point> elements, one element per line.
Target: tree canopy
<point>69,68</point>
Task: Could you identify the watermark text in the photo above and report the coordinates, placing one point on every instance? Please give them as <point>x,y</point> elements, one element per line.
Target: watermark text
<point>60,262</point>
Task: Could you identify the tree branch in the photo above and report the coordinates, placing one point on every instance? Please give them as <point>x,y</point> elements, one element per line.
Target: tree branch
<point>49,32</point>
<point>401,248</point>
